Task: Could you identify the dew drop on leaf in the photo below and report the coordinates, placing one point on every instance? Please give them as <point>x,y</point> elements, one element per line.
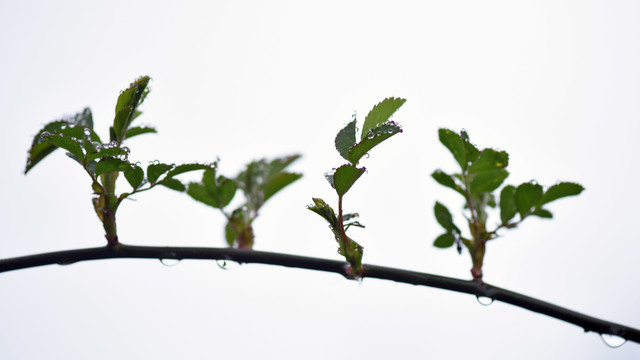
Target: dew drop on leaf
<point>613,341</point>
<point>484,300</point>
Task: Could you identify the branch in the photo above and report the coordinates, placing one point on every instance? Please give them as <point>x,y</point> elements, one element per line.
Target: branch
<point>477,288</point>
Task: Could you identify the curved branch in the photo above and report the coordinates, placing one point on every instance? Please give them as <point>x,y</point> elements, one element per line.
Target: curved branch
<point>477,288</point>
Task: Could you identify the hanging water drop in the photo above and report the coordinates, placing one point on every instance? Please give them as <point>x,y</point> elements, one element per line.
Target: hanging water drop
<point>169,262</point>
<point>613,341</point>
<point>45,134</point>
<point>484,300</point>
<point>87,132</point>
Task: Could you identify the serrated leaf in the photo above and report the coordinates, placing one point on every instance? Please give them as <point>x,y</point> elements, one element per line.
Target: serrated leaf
<point>490,159</point>
<point>374,137</point>
<point>66,143</point>
<point>527,197</point>
<point>278,183</point>
<point>134,176</point>
<point>487,181</point>
<point>444,241</point>
<point>138,130</point>
<point>447,180</point>
<point>183,168</point>
<point>324,210</point>
<point>543,213</point>
<point>173,184</point>
<point>345,139</point>
<point>345,176</point>
<point>444,218</point>
<point>106,152</point>
<point>560,190</point>
<point>200,193</point>
<point>121,121</point>
<point>155,170</point>
<point>508,207</point>
<point>126,105</point>
<point>455,144</point>
<point>380,114</point>
<point>110,164</point>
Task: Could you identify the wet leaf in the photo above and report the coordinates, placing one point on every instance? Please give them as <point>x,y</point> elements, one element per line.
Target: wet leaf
<point>380,114</point>
<point>560,190</point>
<point>345,176</point>
<point>444,241</point>
<point>134,176</point>
<point>455,144</point>
<point>126,106</point>
<point>508,207</point>
<point>181,169</point>
<point>488,160</point>
<point>155,170</point>
<point>66,143</point>
<point>200,193</point>
<point>324,210</point>
<point>137,130</point>
<point>527,197</point>
<point>345,139</point>
<point>110,164</point>
<point>375,136</point>
<point>106,152</point>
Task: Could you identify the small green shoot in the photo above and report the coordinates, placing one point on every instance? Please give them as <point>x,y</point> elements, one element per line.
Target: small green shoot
<point>377,128</point>
<point>259,181</point>
<point>103,162</point>
<point>482,173</point>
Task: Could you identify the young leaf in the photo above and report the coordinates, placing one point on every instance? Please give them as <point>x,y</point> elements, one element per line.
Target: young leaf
<point>380,114</point>
<point>137,130</point>
<point>155,170</point>
<point>560,190</point>
<point>67,143</point>
<point>508,207</point>
<point>444,218</point>
<point>447,180</point>
<point>134,176</point>
<point>110,164</point>
<point>374,137</point>
<point>126,106</point>
<point>527,197</point>
<point>323,209</point>
<point>345,176</point>
<point>278,183</point>
<point>345,139</point>
<point>487,181</point>
<point>455,144</point>
<point>444,241</point>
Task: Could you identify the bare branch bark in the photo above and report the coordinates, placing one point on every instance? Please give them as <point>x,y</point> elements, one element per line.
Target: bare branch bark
<point>476,288</point>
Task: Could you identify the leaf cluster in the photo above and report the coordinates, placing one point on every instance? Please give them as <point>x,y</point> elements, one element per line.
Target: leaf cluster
<point>377,128</point>
<point>258,181</point>
<point>481,173</point>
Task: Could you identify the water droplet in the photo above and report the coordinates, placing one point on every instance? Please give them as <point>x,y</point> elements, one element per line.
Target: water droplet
<point>45,134</point>
<point>169,262</point>
<point>113,144</point>
<point>613,341</point>
<point>370,135</point>
<point>226,264</point>
<point>126,150</point>
<point>87,132</point>
<point>484,300</point>
<point>66,262</point>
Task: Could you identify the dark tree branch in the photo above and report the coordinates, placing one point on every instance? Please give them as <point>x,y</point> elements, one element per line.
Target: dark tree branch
<point>477,288</point>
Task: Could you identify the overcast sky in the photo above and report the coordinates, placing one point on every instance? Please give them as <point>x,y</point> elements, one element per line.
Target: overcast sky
<point>554,83</point>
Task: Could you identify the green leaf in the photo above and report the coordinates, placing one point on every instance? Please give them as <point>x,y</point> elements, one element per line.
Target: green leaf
<point>126,106</point>
<point>487,181</point>
<point>375,136</point>
<point>323,209</point>
<point>278,183</point>
<point>137,130</point>
<point>380,114</point>
<point>444,218</point>
<point>543,213</point>
<point>508,207</point>
<point>527,197</point>
<point>345,176</point>
<point>134,176</point>
<point>173,184</point>
<point>66,143</point>
<point>200,193</point>
<point>560,190</point>
<point>345,139</point>
<point>183,168</point>
<point>488,160</point>
<point>447,180</point>
<point>220,189</point>
<point>455,144</point>
<point>276,166</point>
<point>121,121</point>
<point>110,164</point>
<point>444,241</point>
<point>155,170</point>
<point>230,233</point>
<point>106,152</point>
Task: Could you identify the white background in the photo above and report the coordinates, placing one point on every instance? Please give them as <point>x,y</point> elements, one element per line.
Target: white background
<point>555,83</point>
